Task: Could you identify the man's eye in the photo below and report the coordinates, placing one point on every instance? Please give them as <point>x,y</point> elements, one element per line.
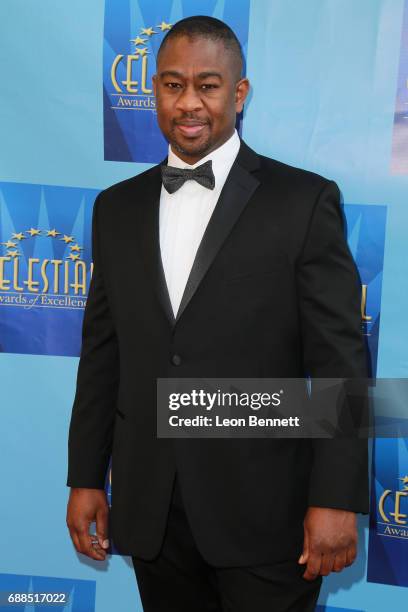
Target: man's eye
<point>172,85</point>
<point>209,85</point>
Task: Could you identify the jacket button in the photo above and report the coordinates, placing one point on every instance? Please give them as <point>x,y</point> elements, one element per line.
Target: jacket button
<point>176,360</point>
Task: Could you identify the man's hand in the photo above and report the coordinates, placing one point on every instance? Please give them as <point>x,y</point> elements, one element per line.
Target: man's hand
<point>86,506</point>
<point>330,541</point>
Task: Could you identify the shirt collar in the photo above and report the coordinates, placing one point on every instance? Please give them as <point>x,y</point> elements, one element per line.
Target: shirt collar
<point>224,154</point>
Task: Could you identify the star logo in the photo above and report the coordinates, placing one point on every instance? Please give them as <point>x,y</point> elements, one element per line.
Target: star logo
<point>67,239</point>
<point>143,51</point>
<point>404,482</point>
<point>75,247</point>
<point>73,257</point>
<point>138,40</point>
<point>148,31</point>
<point>9,244</point>
<point>164,26</point>
<point>13,253</point>
<point>19,236</point>
<point>33,232</point>
<point>53,233</point>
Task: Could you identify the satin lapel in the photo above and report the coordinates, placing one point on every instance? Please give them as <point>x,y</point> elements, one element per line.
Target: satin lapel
<point>237,190</point>
<point>150,240</point>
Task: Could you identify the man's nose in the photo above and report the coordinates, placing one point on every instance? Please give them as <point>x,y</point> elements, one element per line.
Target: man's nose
<point>189,99</point>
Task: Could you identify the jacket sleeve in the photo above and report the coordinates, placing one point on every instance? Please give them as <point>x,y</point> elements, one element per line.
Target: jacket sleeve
<point>91,427</point>
<point>333,344</point>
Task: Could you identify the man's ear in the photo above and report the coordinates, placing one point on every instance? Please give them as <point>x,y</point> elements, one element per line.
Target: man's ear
<point>154,80</point>
<point>241,91</point>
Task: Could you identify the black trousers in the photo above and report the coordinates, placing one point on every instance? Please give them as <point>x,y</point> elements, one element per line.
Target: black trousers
<point>180,580</point>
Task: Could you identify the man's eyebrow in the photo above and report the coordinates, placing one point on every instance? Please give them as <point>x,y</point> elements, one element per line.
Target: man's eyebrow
<point>173,73</point>
<point>179,75</point>
<point>205,75</point>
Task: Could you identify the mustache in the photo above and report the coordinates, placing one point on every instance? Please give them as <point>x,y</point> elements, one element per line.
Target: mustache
<point>190,121</point>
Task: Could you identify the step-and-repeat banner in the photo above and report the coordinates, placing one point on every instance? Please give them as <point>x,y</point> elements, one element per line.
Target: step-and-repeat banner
<point>329,93</point>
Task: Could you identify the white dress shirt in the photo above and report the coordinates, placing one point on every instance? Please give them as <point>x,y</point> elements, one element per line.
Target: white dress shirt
<point>184,215</point>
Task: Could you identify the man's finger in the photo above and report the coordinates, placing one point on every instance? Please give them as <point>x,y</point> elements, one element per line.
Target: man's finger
<point>94,550</point>
<point>351,555</point>
<point>80,543</point>
<point>75,539</point>
<point>96,547</point>
<point>340,561</point>
<point>327,564</point>
<point>85,540</point>
<point>313,565</point>
<point>102,528</point>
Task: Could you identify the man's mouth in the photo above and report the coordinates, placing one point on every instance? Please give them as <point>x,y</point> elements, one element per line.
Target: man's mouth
<point>190,128</point>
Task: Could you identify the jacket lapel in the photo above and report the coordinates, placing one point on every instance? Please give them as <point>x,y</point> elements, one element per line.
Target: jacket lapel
<point>150,240</point>
<point>238,189</point>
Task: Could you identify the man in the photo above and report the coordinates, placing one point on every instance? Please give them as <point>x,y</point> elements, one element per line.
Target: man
<point>237,266</point>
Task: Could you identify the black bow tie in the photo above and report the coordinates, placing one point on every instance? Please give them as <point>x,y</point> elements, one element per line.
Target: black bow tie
<point>173,178</point>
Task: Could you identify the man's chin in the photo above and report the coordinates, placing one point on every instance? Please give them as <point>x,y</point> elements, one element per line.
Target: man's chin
<point>191,147</point>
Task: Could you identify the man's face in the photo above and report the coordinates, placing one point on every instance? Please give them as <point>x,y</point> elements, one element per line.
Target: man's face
<point>198,93</point>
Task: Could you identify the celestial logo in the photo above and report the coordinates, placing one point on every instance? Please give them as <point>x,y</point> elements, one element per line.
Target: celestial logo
<point>134,30</point>
<point>45,267</point>
<point>393,511</point>
<point>135,66</point>
<point>42,282</point>
<point>388,541</point>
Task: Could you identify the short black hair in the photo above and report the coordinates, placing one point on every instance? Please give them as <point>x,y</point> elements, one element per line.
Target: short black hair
<point>207,27</point>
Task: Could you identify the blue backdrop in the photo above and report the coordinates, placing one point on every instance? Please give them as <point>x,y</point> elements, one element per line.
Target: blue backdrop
<point>329,94</point>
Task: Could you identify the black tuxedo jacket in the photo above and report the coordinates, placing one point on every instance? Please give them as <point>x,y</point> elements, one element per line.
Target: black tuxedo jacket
<point>273,292</point>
